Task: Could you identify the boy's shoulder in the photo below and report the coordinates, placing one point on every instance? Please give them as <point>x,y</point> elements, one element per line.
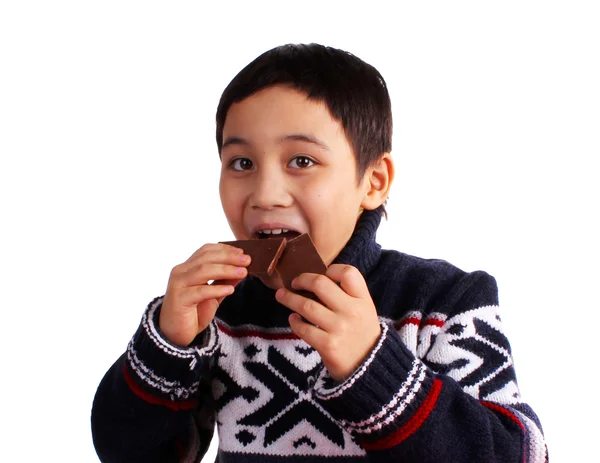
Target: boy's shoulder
<point>429,285</point>
<point>393,262</point>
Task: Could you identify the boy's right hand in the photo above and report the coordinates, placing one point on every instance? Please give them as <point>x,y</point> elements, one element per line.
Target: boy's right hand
<point>190,302</point>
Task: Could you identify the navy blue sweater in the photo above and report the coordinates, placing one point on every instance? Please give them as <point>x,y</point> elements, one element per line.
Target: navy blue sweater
<point>438,386</point>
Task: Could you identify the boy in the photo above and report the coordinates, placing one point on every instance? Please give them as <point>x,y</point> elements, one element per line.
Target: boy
<point>396,359</point>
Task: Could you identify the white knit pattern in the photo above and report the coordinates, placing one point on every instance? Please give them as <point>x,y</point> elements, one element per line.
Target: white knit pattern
<point>160,342</point>
<point>445,350</point>
<point>234,343</point>
<point>392,410</point>
<point>326,394</point>
<point>172,388</point>
<point>180,352</point>
<point>160,383</point>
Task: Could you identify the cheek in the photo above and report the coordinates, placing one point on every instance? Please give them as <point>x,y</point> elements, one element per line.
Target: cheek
<point>224,196</point>
<point>325,188</point>
<point>331,208</point>
<point>230,200</point>
<point>329,198</point>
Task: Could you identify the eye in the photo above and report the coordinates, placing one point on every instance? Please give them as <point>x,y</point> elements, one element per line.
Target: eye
<point>301,162</point>
<point>241,164</point>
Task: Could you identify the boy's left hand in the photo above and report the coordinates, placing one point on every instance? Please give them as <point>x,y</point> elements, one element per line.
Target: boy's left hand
<point>344,327</point>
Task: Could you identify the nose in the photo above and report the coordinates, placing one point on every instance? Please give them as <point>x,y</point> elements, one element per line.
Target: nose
<point>270,189</point>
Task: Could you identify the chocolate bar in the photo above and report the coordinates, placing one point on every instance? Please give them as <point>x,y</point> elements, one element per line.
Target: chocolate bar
<point>289,258</point>
<point>300,256</point>
<point>264,253</point>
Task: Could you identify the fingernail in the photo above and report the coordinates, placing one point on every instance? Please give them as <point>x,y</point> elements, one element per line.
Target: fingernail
<point>243,258</point>
<point>279,294</point>
<point>240,271</point>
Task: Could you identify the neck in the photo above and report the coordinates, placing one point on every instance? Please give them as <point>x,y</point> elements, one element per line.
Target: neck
<point>362,251</point>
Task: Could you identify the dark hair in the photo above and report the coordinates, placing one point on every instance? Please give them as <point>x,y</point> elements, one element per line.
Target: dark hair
<point>354,92</point>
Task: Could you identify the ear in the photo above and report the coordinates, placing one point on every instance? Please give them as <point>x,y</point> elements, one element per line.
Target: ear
<point>377,182</point>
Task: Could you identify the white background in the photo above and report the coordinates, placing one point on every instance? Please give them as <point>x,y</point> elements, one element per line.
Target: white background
<point>109,172</point>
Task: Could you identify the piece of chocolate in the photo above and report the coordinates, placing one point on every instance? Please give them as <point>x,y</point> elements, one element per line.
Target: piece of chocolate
<point>264,253</point>
<point>300,256</point>
<point>289,258</point>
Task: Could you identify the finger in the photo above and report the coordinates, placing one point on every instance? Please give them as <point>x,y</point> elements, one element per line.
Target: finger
<point>312,311</point>
<point>204,273</point>
<point>350,280</point>
<point>181,272</point>
<point>313,335</point>
<point>221,254</point>
<point>328,292</point>
<point>215,247</point>
<point>194,295</point>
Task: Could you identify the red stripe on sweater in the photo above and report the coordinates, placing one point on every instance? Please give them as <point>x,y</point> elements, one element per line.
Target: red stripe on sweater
<point>505,412</point>
<point>156,400</point>
<point>255,333</point>
<point>434,322</point>
<point>408,321</point>
<point>412,425</point>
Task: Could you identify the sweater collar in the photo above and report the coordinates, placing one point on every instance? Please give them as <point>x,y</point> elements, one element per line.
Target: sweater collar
<point>362,251</point>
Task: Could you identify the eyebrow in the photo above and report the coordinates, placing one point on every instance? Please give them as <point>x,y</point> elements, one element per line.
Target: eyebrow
<point>235,141</point>
<point>306,139</point>
<point>230,141</point>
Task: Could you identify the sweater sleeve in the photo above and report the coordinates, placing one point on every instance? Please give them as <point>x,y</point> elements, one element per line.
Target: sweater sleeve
<point>440,388</point>
<point>153,404</point>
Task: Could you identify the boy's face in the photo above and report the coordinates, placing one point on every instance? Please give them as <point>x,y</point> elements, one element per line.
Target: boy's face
<point>286,164</point>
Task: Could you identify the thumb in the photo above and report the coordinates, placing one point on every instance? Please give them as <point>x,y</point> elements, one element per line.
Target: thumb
<point>349,278</point>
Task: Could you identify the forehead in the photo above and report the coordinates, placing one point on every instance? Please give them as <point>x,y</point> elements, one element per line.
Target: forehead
<point>275,112</point>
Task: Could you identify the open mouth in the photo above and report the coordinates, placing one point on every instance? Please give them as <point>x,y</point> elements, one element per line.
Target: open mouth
<point>277,233</point>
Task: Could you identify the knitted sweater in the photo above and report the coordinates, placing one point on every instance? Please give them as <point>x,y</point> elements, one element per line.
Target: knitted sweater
<point>439,385</point>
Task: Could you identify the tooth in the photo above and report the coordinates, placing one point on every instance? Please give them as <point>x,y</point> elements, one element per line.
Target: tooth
<point>276,231</point>
<point>284,230</point>
<point>266,232</point>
